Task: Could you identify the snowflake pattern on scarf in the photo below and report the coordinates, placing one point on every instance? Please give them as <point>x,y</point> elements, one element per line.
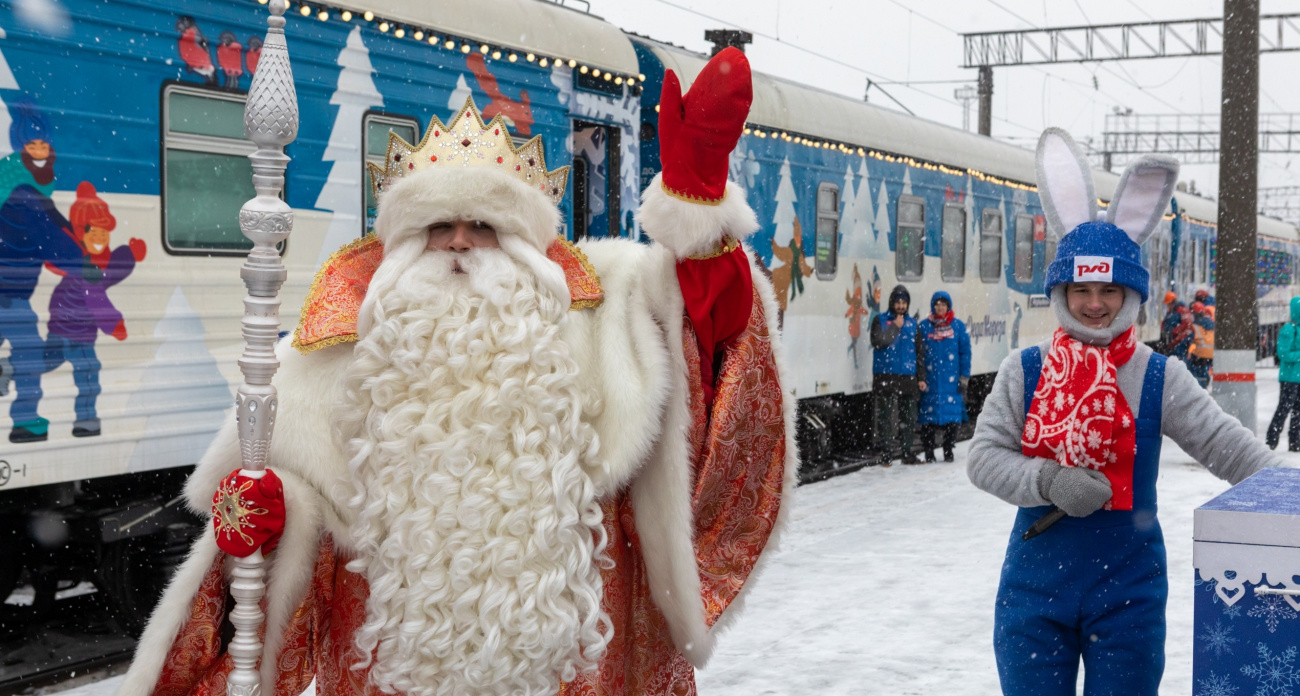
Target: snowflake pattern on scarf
<point>1079,417</point>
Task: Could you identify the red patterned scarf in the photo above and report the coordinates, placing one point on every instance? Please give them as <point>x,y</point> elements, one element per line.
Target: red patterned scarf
<point>1079,417</point>
<point>942,326</point>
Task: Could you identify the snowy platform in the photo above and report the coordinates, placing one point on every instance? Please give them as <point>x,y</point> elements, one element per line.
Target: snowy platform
<point>886,579</point>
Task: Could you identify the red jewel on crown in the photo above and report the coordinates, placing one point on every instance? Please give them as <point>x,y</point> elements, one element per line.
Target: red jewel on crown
<point>500,160</point>
<point>433,158</point>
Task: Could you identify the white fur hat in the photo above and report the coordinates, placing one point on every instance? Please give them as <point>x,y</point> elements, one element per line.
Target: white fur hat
<point>445,194</point>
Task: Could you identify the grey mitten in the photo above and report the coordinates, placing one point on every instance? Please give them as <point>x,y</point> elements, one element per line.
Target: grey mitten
<point>1076,490</point>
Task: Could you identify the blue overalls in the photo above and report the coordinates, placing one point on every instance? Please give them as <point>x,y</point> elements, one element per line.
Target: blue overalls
<point>1090,586</point>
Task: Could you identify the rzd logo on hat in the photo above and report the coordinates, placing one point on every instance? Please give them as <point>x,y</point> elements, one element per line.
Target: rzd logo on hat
<point>1093,269</point>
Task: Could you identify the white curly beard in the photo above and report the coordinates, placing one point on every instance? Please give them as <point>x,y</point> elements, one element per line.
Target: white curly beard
<point>474,521</point>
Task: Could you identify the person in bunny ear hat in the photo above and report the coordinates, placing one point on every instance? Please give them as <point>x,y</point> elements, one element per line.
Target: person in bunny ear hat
<point>1076,423</point>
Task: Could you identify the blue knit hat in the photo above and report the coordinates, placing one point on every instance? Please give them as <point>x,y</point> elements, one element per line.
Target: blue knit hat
<point>1098,252</point>
<point>28,124</point>
<point>1093,250</point>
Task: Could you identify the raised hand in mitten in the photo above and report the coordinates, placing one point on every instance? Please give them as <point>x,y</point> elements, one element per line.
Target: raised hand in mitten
<point>1077,491</point>
<point>138,249</point>
<point>248,513</point>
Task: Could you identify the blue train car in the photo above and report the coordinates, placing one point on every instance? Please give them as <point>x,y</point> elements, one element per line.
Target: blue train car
<point>126,165</point>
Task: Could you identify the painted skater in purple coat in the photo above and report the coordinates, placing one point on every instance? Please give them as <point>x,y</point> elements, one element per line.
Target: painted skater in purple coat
<point>80,308</point>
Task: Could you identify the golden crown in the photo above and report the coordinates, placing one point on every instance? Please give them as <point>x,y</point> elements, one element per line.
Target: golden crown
<point>468,142</point>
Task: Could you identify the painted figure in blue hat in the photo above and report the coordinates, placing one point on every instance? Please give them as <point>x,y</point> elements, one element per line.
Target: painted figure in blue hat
<point>32,234</point>
<point>1075,424</point>
<point>946,347</point>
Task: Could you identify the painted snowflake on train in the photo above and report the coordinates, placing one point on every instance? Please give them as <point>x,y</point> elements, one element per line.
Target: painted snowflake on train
<point>1272,609</point>
<point>1276,674</point>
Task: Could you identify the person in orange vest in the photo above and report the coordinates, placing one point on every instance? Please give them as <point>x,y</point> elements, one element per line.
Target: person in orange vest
<point>1201,355</point>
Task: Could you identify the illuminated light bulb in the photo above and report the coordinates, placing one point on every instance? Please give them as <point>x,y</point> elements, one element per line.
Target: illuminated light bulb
<point>513,58</point>
<point>399,33</point>
<point>608,77</point>
<point>464,48</point>
<point>656,108</point>
<point>543,62</point>
<point>640,77</point>
<point>618,80</point>
<point>323,15</point>
<point>531,57</point>
<point>584,70</point>
<point>747,131</point>
<point>383,26</point>
<point>305,10</point>
<point>347,16</point>
<point>631,82</point>
<point>449,45</point>
<point>595,72</point>
<point>261,2</point>
<point>418,35</point>
<point>370,16</point>
<point>484,49</point>
<point>433,40</point>
<point>573,63</point>
<point>496,55</point>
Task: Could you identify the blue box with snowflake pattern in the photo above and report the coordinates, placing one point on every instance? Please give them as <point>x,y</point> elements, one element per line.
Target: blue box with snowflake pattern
<point>1246,552</point>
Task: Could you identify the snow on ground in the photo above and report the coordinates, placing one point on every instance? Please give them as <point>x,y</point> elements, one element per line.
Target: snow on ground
<point>886,578</point>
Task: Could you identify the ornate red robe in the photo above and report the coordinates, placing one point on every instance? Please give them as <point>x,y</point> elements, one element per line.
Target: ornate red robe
<point>741,453</point>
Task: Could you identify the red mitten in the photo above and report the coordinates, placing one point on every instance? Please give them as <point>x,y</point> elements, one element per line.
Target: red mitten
<point>138,249</point>
<point>119,331</point>
<point>248,513</point>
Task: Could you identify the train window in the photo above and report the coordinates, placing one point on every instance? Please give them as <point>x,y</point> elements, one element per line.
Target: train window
<point>952,249</point>
<point>206,170</point>
<point>991,245</point>
<point>375,129</point>
<point>909,251</point>
<point>1205,261</point>
<point>828,230</point>
<point>1024,259</point>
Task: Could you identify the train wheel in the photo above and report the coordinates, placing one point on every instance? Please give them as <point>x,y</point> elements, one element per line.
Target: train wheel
<point>134,572</point>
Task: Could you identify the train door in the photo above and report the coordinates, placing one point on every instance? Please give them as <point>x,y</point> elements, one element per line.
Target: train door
<point>596,209</point>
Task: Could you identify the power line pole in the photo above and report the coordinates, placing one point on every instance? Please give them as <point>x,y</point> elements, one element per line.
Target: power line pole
<point>1237,321</point>
<point>965,94</point>
<point>986,100</point>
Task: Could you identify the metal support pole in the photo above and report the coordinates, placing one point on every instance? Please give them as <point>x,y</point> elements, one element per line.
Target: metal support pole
<point>271,122</point>
<point>1236,318</point>
<point>986,99</point>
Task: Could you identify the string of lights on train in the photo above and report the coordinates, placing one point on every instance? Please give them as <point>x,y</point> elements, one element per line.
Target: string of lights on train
<point>325,13</point>
<point>401,30</point>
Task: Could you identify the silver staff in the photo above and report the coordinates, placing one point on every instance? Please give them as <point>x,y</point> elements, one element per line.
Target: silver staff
<point>271,122</point>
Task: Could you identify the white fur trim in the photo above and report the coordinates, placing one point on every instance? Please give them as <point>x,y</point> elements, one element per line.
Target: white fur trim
<point>624,357</point>
<point>442,194</point>
<point>661,493</point>
<point>690,229</point>
<point>288,575</point>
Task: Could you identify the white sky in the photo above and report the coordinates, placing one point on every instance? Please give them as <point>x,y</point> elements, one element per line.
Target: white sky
<point>918,40</point>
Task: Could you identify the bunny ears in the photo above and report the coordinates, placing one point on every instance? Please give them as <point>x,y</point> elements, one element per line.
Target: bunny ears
<point>1069,198</point>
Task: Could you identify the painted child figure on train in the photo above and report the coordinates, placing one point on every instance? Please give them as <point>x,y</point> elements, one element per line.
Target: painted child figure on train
<point>1076,423</point>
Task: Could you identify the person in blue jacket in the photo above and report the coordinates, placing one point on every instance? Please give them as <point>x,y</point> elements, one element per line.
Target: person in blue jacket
<point>895,368</point>
<point>945,348</point>
<point>1288,403</point>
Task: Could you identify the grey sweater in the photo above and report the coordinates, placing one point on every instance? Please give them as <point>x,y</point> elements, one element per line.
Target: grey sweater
<point>1189,415</point>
